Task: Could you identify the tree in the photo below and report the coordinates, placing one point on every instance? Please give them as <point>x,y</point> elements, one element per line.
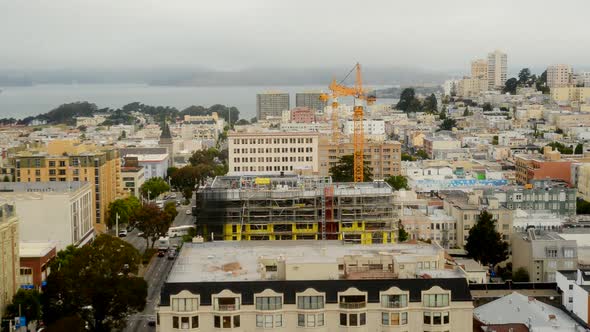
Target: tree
<point>153,222</point>
<point>524,76</point>
<point>430,104</point>
<point>170,171</point>
<point>541,83</point>
<point>397,182</point>
<point>82,128</point>
<point>448,124</point>
<point>495,140</point>
<point>126,208</point>
<point>510,86</point>
<point>28,303</point>
<point>564,149</point>
<point>170,210</point>
<point>408,101</point>
<point>579,149</point>
<point>189,176</point>
<point>407,157</point>
<point>242,122</point>
<point>187,193</point>
<point>582,206</point>
<point>154,187</point>
<point>402,235</point>
<point>487,107</point>
<point>520,275</point>
<point>97,285</point>
<point>442,115</point>
<point>422,154</point>
<point>254,120</point>
<point>343,171</point>
<point>484,243</point>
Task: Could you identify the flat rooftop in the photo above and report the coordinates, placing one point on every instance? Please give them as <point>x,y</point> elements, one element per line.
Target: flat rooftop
<point>44,187</point>
<point>35,249</point>
<point>239,261</point>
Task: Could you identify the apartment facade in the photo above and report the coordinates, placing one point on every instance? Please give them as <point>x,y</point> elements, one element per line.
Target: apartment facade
<point>310,100</point>
<point>9,255</point>
<point>271,104</point>
<point>251,153</point>
<point>132,178</point>
<point>549,165</point>
<point>382,157</point>
<point>497,69</point>
<point>59,212</point>
<point>374,127</point>
<point>35,258</point>
<point>479,69</point>
<point>571,94</point>
<point>288,294</point>
<point>559,76</point>
<point>436,144</point>
<point>542,253</point>
<point>470,87</point>
<point>70,161</point>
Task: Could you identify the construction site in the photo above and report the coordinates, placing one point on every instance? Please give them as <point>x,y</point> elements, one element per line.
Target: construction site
<point>292,207</point>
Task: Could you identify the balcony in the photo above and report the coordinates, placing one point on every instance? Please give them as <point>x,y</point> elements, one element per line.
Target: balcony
<point>227,304</point>
<point>227,307</point>
<point>350,302</point>
<point>353,305</point>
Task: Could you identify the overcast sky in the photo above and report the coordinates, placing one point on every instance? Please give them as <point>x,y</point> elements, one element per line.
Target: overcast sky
<point>430,34</point>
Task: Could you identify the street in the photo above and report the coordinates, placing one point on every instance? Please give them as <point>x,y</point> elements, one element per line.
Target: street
<point>156,273</point>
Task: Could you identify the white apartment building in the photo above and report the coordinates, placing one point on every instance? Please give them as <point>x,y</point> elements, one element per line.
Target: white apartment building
<point>370,127</point>
<point>154,165</point>
<point>59,212</point>
<point>294,286</point>
<point>559,76</point>
<point>450,87</point>
<point>273,151</point>
<point>497,69</point>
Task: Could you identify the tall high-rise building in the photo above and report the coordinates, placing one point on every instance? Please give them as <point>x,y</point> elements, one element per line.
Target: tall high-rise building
<point>310,99</point>
<point>68,161</point>
<point>479,69</point>
<point>497,69</point>
<point>559,76</point>
<point>271,104</point>
<point>9,256</point>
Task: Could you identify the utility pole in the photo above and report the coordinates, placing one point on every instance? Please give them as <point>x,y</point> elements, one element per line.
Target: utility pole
<point>117,224</point>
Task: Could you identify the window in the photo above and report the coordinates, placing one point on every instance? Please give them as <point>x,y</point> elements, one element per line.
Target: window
<point>394,318</point>
<point>394,301</point>
<point>310,302</point>
<point>436,318</point>
<point>551,252</point>
<point>269,303</point>
<point>436,300</point>
<point>353,319</point>
<point>269,321</point>
<point>188,304</point>
<point>309,320</point>
<point>184,323</point>
<point>52,163</point>
<point>568,252</point>
<point>300,320</point>
<point>427,317</point>
<point>194,322</point>
<point>226,321</point>
<point>62,163</point>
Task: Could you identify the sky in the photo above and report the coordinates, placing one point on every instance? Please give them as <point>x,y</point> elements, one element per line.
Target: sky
<point>231,35</point>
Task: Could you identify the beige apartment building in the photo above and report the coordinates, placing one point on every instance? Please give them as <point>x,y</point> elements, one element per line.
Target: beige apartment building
<point>497,69</point>
<point>256,286</point>
<point>273,151</point>
<point>466,208</point>
<point>559,76</point>
<point>571,94</point>
<point>479,69</point>
<point>383,157</point>
<point>68,160</point>
<point>471,87</point>
<point>9,256</point>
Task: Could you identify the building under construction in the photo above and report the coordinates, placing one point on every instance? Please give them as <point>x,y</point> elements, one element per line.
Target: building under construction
<point>291,207</point>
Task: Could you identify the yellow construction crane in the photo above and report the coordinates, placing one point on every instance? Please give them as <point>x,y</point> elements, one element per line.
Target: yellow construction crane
<point>359,95</point>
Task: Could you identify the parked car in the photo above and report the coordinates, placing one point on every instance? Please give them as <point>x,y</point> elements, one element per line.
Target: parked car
<point>171,254</point>
<point>123,233</point>
<point>177,202</point>
<point>188,212</point>
<point>172,196</point>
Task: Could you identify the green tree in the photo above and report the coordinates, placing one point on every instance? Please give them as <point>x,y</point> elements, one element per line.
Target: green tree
<point>484,243</point>
<point>582,206</point>
<point>28,303</point>
<point>153,222</point>
<point>579,149</point>
<point>407,157</point>
<point>402,235</point>
<point>541,83</point>
<point>520,275</point>
<point>408,101</point>
<point>421,154</point>
<point>510,86</point>
<point>561,148</point>
<point>524,76</point>
<point>442,115</point>
<point>254,120</point>
<point>97,285</point>
<point>487,107</point>
<point>189,176</point>
<point>495,140</point>
<point>397,182</point>
<point>170,210</point>
<point>126,208</point>
<point>153,187</point>
<point>430,104</point>
<point>170,171</point>
<point>187,193</point>
<point>343,171</point>
<point>448,124</point>
<point>242,122</point>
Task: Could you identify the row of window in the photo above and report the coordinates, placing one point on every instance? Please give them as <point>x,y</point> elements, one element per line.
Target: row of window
<point>262,168</point>
<point>273,159</point>
<point>273,150</point>
<point>272,140</point>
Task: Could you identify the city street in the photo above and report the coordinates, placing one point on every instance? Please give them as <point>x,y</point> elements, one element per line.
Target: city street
<point>156,273</point>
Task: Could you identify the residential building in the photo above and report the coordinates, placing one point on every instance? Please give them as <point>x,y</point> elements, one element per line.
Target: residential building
<point>35,258</point>
<point>59,212</point>
<point>371,127</point>
<point>271,104</point>
<point>583,181</point>
<point>535,166</point>
<point>289,207</point>
<point>466,208</point>
<point>302,114</point>
<point>542,195</point>
<point>382,157</point>
<point>295,286</point>
<point>200,127</point>
<point>574,286</point>
<point>559,76</point>
<point>497,69</point>
<point>571,94</point>
<point>154,165</point>
<point>310,100</point>
<point>479,69</point>
<point>132,178</point>
<point>567,120</point>
<point>71,161</point>
<point>9,258</point>
<point>273,151</point>
<point>470,87</point>
<point>450,87</point>
<point>541,253</point>
<point>434,145</point>
<point>511,311</point>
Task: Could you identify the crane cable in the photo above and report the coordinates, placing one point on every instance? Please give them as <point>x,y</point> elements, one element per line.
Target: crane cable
<point>350,72</point>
